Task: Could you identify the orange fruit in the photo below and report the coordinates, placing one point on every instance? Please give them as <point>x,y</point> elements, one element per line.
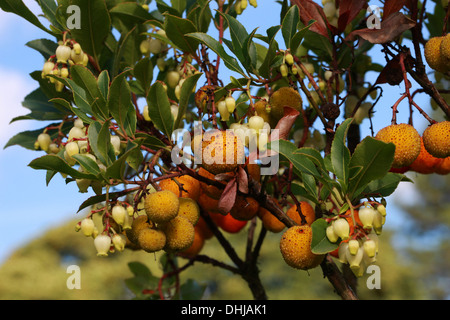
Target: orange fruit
<point>207,203</point>
<point>190,186</point>
<point>196,246</point>
<point>444,167</point>
<point>425,163</point>
<point>269,221</point>
<point>245,208</point>
<point>307,211</point>
<point>295,247</point>
<point>203,228</point>
<point>229,224</point>
<point>406,140</point>
<point>210,190</point>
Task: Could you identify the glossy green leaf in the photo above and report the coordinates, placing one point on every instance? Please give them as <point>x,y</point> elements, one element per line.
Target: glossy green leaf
<point>89,165</point>
<point>100,142</point>
<point>143,71</point>
<point>103,83</point>
<point>189,84</point>
<point>19,8</point>
<point>340,154</point>
<point>176,29</point>
<point>385,186</point>
<point>56,163</point>
<point>45,47</point>
<point>289,25</point>
<point>371,160</point>
<point>217,47</point>
<point>320,243</point>
<point>159,109</point>
<point>117,168</point>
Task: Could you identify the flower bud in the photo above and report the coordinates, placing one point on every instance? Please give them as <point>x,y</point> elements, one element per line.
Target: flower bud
<point>231,104</point>
<point>355,259</point>
<point>366,215</point>
<point>144,47</point>
<point>381,209</point>
<point>115,141</point>
<point>244,4</point>
<point>130,211</point>
<point>289,58</point>
<point>118,213</point>
<point>87,227</point>
<point>102,244</point>
<point>222,108</point>
<point>83,184</point>
<point>72,148</point>
<point>342,228</point>
<point>145,114</point>
<point>331,235</point>
<point>284,70</point>
<point>342,252</point>
<point>353,246</point>
<point>256,123</point>
<point>178,91</point>
<point>263,138</point>
<point>53,148</point>
<point>161,63</point>
<point>174,110</point>
<point>370,248</point>
<point>75,133</point>
<point>63,53</point>
<point>119,241</point>
<point>64,72</point>
<point>253,3</point>
<point>48,68</point>
<point>44,140</point>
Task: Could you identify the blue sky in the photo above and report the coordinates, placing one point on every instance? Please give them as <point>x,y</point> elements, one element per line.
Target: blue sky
<point>29,207</point>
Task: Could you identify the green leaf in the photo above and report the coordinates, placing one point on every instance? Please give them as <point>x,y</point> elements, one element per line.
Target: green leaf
<point>264,69</point>
<point>103,83</point>
<point>289,25</point>
<point>100,142</point>
<point>320,243</point>
<point>116,169</point>
<point>95,25</point>
<point>159,109</point>
<point>143,72</point>
<point>131,12</point>
<point>385,186</point>
<point>84,78</point>
<point>340,154</point>
<point>150,141</point>
<point>56,163</point>
<point>44,46</point>
<point>98,198</point>
<point>120,104</point>
<point>230,62</point>
<point>187,88</point>
<point>371,160</point>
<point>19,8</point>
<point>176,29</point>
<point>238,34</point>
<point>87,164</point>
<point>192,290</point>
<point>298,37</point>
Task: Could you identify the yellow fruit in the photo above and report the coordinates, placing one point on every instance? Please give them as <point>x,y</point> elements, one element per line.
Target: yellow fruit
<point>189,209</point>
<point>433,55</point>
<point>179,233</point>
<point>222,151</point>
<point>284,97</point>
<point>436,139</point>
<point>138,224</point>
<point>151,240</point>
<point>295,247</point>
<point>190,186</point>
<point>161,206</point>
<point>445,49</point>
<point>202,96</point>
<point>406,140</point>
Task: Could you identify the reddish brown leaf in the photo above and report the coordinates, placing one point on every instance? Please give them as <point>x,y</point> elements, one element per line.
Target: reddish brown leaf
<point>242,180</point>
<point>392,6</point>
<point>391,28</point>
<point>285,124</point>
<point>392,73</point>
<point>310,10</point>
<point>349,10</point>
<point>228,197</point>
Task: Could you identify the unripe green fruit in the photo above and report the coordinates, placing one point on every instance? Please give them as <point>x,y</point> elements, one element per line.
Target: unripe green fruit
<point>284,70</point>
<point>223,110</point>
<point>289,59</point>
<point>155,46</point>
<point>173,78</point>
<point>231,104</point>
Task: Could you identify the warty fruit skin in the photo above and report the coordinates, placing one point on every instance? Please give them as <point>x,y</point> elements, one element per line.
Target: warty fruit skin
<point>161,206</point>
<point>436,139</point>
<point>189,209</point>
<point>406,140</point>
<point>445,48</point>
<point>307,211</point>
<point>295,247</point>
<point>190,186</point>
<point>151,240</point>
<point>433,55</point>
<point>284,97</point>
<point>179,233</point>
<point>139,223</point>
